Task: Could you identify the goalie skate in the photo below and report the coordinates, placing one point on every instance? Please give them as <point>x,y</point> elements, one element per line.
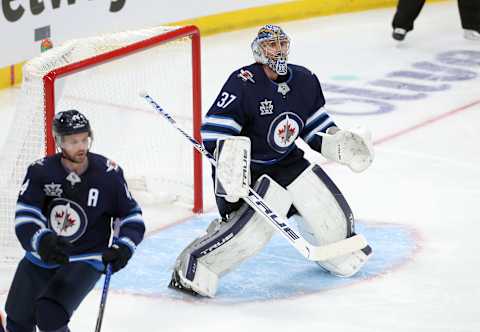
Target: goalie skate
<point>176,284</point>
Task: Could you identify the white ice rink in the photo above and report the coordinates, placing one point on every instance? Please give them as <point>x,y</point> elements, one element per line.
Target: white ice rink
<point>417,203</point>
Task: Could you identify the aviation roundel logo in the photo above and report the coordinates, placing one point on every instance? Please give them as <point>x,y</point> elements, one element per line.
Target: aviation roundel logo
<point>283,131</point>
<point>67,219</point>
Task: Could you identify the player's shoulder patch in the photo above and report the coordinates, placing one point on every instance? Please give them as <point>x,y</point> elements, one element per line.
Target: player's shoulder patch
<point>38,162</point>
<point>41,168</point>
<point>102,163</point>
<point>111,165</point>
<point>246,75</point>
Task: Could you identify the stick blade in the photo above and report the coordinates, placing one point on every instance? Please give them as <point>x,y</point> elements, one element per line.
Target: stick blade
<point>339,248</point>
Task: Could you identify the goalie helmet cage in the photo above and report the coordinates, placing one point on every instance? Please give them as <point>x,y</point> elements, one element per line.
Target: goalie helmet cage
<point>101,77</point>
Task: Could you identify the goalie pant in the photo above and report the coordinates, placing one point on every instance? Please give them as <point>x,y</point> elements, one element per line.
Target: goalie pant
<point>328,219</point>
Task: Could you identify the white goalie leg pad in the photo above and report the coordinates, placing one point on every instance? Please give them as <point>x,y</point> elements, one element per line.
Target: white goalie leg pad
<point>232,175</point>
<point>229,243</point>
<point>326,218</point>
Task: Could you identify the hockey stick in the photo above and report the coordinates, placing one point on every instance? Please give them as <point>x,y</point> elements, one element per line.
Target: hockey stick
<point>106,283</point>
<point>309,251</point>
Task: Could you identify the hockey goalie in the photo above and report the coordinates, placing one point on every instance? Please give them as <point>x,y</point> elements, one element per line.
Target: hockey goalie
<point>251,129</point>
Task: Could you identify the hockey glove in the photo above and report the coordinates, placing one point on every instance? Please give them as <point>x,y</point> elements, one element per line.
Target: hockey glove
<point>118,255</point>
<point>351,148</point>
<point>52,249</point>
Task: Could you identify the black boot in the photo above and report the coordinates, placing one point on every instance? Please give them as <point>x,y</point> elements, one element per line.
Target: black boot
<point>399,34</point>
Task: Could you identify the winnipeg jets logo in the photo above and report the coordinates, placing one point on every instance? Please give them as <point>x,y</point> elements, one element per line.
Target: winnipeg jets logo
<point>67,219</point>
<point>286,131</point>
<point>111,166</point>
<point>266,107</point>
<point>53,189</point>
<point>283,131</point>
<point>63,219</point>
<point>246,75</point>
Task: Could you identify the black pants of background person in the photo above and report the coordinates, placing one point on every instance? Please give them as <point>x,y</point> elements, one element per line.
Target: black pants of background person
<point>408,10</point>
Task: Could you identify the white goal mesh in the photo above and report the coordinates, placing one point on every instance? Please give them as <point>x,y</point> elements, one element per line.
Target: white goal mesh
<point>102,77</point>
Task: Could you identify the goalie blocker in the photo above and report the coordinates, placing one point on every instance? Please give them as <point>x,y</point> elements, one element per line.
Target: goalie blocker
<point>232,176</point>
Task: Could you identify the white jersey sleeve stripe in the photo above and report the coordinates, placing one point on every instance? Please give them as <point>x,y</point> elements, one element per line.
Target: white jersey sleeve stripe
<point>26,220</point>
<point>37,236</point>
<point>31,209</point>
<point>224,122</point>
<point>315,116</point>
<point>213,136</point>
<point>317,129</point>
<point>133,219</point>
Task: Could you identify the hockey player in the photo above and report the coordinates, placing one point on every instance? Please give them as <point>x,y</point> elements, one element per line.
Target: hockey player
<point>408,11</point>
<point>63,220</point>
<point>271,103</point>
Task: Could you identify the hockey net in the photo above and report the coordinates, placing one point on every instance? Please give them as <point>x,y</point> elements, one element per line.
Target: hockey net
<point>102,77</point>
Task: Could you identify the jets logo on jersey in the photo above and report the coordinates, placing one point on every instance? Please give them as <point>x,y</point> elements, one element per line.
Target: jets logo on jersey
<point>266,107</point>
<point>53,189</point>
<point>67,219</point>
<point>246,75</point>
<point>283,131</point>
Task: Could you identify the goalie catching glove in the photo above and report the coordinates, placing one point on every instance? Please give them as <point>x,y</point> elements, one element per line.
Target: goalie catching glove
<point>232,176</point>
<point>352,148</point>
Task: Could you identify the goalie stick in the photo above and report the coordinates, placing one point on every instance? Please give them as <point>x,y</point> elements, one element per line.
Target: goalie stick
<point>309,251</point>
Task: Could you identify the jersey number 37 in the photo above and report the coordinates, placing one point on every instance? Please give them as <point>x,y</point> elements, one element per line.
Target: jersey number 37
<point>226,99</point>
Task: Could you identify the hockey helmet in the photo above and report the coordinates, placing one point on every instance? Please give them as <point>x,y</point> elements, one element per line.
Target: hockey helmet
<point>68,123</point>
<point>271,47</point>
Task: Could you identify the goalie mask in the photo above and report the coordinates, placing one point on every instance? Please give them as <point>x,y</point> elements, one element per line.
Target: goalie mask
<point>271,47</point>
<point>68,123</point>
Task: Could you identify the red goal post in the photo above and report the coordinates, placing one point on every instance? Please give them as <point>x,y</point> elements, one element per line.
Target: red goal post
<point>187,31</point>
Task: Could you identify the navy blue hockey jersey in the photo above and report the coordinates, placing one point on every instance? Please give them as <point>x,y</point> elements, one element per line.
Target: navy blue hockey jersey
<point>273,115</point>
<point>79,209</point>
